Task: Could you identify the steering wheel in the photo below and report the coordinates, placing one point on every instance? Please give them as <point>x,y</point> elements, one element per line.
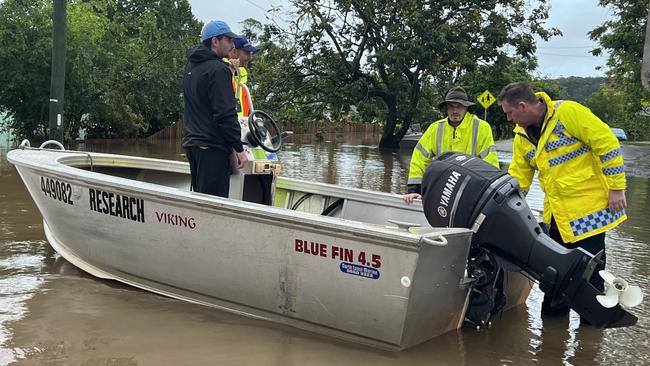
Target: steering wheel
<point>264,132</point>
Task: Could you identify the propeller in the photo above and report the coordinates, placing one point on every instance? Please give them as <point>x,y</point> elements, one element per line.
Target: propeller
<point>617,290</point>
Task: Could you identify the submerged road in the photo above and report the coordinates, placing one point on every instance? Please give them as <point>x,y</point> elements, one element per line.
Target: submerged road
<point>52,313</point>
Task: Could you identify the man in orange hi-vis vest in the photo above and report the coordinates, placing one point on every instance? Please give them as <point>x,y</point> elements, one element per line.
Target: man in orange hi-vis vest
<point>240,57</point>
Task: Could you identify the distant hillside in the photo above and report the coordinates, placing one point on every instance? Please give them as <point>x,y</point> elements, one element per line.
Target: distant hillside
<point>580,88</point>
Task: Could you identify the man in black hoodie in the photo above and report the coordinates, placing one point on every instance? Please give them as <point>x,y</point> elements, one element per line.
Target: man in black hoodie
<point>211,130</point>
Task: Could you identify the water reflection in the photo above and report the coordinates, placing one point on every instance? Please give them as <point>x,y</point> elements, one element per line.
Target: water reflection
<point>50,312</point>
<point>23,254</point>
<point>358,165</point>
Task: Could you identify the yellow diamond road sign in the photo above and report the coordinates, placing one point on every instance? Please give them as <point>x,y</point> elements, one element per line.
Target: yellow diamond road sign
<point>486,99</point>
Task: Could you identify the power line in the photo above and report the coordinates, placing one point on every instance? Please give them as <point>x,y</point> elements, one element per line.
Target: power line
<point>557,54</point>
<point>566,47</point>
<point>256,5</point>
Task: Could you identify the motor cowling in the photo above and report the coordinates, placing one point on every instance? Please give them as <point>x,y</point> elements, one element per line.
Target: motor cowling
<point>453,186</point>
<point>460,190</point>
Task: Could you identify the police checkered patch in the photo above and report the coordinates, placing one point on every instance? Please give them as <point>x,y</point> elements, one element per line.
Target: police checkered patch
<point>530,155</point>
<point>559,128</point>
<point>595,221</point>
<point>610,155</point>
<point>614,170</point>
<point>562,141</point>
<point>569,156</point>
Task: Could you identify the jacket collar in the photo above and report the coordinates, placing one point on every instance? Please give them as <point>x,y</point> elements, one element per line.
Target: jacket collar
<point>550,109</point>
<point>465,123</point>
<point>549,122</point>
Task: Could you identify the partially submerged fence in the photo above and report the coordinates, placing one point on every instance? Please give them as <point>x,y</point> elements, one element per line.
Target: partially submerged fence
<point>175,130</point>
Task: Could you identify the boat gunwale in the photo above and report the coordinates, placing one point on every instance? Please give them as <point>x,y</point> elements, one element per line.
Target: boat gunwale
<point>66,165</point>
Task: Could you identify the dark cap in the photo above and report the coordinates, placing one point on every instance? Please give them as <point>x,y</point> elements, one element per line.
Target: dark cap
<point>242,43</point>
<point>456,95</point>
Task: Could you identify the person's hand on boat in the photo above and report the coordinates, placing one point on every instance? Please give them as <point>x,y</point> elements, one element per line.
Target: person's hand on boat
<point>617,200</point>
<point>408,198</point>
<point>238,159</point>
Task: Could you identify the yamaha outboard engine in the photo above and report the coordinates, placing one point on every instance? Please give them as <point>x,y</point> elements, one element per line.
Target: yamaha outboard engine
<point>460,190</point>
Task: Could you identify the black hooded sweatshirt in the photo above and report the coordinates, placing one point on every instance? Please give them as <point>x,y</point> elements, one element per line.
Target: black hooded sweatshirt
<point>210,117</point>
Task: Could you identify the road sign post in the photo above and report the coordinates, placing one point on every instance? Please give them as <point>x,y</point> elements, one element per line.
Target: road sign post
<point>486,99</point>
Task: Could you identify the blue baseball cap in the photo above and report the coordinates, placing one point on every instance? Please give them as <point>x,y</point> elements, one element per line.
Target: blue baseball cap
<point>242,43</point>
<point>216,28</point>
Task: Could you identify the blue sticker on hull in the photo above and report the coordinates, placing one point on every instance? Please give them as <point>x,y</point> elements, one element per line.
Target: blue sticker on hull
<point>358,270</point>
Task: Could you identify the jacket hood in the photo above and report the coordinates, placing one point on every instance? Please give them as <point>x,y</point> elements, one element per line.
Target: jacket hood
<point>200,53</point>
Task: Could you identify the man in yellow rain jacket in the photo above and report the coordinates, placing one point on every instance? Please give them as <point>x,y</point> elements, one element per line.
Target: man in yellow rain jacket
<point>580,167</point>
<point>461,131</point>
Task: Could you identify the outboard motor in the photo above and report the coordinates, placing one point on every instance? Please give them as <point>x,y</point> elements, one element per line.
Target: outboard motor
<point>460,190</point>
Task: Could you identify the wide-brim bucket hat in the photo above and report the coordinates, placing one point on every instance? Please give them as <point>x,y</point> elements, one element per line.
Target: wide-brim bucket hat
<point>456,95</point>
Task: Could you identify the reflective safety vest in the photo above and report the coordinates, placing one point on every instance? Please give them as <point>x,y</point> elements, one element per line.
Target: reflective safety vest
<point>579,161</point>
<point>472,136</point>
<point>243,75</point>
<point>242,94</point>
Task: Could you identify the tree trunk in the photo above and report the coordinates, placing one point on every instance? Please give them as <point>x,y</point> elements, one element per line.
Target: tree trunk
<point>388,138</point>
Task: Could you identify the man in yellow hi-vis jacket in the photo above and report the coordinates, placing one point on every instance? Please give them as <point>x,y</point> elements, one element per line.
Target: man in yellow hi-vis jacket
<point>461,131</point>
<point>580,167</point>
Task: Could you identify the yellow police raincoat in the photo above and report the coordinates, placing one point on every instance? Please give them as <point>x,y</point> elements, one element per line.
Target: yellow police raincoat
<point>579,161</point>
<point>472,136</point>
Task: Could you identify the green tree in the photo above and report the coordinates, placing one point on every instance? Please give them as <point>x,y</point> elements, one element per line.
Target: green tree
<point>496,76</point>
<point>275,79</point>
<point>24,71</point>
<point>608,103</point>
<point>123,69</point>
<point>623,37</point>
<point>390,61</point>
<point>580,88</point>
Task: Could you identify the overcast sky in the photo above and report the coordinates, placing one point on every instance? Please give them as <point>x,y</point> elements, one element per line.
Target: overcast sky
<point>567,55</point>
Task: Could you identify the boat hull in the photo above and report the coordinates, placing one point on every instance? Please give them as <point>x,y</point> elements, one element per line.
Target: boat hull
<point>358,281</point>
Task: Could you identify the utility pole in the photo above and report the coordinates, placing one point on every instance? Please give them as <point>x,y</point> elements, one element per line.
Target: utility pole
<point>57,81</point>
<point>645,66</point>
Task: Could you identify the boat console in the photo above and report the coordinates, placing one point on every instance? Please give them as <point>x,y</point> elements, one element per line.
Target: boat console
<point>262,139</point>
<point>460,190</point>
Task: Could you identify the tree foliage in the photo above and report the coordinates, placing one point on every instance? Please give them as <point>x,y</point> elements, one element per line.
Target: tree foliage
<point>608,103</point>
<point>623,36</point>
<point>24,71</point>
<point>580,88</point>
<point>123,68</point>
<point>390,61</point>
<point>496,76</point>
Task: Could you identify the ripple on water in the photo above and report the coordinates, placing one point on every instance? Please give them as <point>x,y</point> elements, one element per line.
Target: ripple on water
<point>21,271</point>
<point>24,267</point>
